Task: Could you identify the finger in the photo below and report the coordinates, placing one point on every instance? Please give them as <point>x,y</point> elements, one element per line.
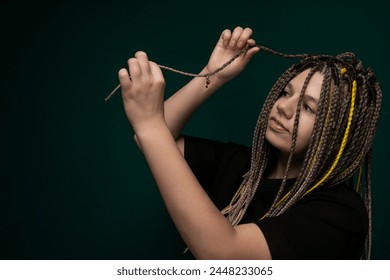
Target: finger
<point>143,62</point>
<point>244,36</point>
<point>235,35</point>
<point>226,34</point>
<point>124,78</point>
<point>157,73</point>
<point>134,69</point>
<point>251,42</point>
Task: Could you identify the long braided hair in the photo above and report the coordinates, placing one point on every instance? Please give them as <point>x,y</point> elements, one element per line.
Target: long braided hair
<point>341,143</point>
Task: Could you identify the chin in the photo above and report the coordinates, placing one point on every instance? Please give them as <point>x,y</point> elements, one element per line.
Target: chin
<point>282,144</point>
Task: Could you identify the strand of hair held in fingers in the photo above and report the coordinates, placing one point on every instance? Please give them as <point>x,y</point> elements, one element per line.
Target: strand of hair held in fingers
<point>208,75</point>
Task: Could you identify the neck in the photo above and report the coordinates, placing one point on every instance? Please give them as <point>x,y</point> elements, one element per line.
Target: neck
<point>277,172</point>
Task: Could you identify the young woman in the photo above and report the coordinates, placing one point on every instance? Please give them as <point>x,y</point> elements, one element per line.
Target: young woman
<point>286,197</point>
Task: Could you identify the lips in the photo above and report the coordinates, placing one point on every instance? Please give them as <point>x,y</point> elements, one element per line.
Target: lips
<point>275,124</point>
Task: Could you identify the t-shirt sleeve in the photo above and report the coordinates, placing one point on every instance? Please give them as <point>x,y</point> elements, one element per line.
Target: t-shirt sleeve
<point>324,226</point>
<point>211,162</point>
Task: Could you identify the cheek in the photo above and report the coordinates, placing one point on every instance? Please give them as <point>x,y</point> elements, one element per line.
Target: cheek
<point>305,131</point>
<point>274,107</point>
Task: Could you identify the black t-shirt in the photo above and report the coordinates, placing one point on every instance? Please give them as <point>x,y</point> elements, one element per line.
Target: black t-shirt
<point>328,223</point>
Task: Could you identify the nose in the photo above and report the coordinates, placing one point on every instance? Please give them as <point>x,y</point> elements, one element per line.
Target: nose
<point>286,107</point>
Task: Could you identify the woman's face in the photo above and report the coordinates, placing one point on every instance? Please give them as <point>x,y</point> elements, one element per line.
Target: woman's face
<point>281,122</point>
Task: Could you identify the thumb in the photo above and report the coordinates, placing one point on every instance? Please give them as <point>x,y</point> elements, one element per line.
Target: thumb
<point>252,51</point>
<point>253,48</point>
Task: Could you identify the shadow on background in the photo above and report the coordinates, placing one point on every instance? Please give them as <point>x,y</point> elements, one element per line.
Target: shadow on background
<point>73,183</point>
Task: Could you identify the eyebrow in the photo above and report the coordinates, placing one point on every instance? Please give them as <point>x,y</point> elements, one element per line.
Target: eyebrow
<point>290,87</point>
<point>312,98</point>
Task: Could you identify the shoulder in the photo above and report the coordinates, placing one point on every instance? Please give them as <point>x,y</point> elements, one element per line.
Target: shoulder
<point>328,223</point>
<point>340,207</point>
<point>214,154</point>
<point>197,144</point>
<point>340,199</point>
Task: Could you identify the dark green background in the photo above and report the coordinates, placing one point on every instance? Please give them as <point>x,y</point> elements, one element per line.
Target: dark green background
<point>73,184</point>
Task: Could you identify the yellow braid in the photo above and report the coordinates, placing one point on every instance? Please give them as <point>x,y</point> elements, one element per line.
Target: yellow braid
<point>345,138</point>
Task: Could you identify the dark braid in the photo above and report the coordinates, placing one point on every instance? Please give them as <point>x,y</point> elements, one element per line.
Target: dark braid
<point>309,165</point>
<point>367,197</point>
<point>294,137</point>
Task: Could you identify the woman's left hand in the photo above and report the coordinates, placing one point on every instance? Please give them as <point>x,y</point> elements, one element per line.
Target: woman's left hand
<point>142,92</point>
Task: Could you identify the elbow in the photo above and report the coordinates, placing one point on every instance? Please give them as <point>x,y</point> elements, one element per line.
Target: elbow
<point>210,255</point>
<point>213,256</point>
<point>216,250</point>
<point>244,242</point>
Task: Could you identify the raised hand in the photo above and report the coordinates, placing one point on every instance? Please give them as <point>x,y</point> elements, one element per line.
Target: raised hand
<point>143,93</point>
<point>228,45</point>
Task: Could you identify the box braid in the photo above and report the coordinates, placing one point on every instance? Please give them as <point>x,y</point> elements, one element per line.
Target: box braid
<point>341,143</point>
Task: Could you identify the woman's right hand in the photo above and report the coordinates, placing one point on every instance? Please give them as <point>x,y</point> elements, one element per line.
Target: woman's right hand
<point>228,45</point>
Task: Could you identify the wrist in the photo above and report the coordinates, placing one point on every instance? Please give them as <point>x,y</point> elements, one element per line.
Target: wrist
<point>215,80</point>
<point>156,134</point>
<point>149,126</point>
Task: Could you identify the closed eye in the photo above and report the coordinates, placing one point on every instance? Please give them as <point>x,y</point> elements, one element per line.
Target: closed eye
<point>308,108</point>
<point>284,93</point>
